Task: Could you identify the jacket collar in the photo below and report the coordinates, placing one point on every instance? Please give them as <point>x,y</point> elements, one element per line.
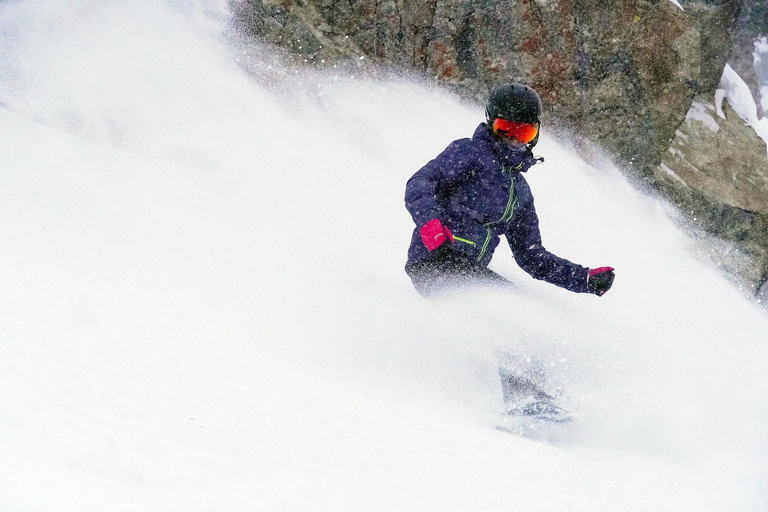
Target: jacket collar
<point>508,156</point>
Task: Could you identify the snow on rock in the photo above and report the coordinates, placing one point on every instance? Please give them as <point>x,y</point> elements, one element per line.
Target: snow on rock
<point>677,3</point>
<point>701,112</point>
<point>761,46</point>
<point>761,69</point>
<point>733,89</point>
<point>672,173</point>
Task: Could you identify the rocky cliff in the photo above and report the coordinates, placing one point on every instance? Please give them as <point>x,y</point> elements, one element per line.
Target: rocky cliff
<point>623,75</point>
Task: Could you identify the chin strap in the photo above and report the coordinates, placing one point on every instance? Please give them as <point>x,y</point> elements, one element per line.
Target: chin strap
<point>532,160</point>
<point>529,154</point>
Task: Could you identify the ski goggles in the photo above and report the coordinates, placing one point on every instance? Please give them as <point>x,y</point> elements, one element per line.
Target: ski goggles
<point>523,132</point>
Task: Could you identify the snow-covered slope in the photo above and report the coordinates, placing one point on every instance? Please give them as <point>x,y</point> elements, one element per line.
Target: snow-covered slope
<point>204,306</point>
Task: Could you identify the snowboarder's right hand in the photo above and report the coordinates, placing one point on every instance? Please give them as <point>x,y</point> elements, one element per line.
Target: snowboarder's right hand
<point>434,234</point>
<point>600,280</point>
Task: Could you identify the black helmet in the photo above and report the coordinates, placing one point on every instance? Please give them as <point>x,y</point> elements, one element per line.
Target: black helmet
<point>513,102</point>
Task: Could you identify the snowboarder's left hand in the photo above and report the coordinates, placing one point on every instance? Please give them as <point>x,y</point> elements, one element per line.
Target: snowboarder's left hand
<point>434,234</point>
<point>600,280</point>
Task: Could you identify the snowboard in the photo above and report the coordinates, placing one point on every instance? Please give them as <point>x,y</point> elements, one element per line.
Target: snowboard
<point>540,421</point>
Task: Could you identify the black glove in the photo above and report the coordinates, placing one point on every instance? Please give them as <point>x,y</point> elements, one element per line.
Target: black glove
<point>600,280</point>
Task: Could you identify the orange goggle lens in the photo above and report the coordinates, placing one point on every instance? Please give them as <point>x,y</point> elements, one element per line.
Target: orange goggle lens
<point>523,132</point>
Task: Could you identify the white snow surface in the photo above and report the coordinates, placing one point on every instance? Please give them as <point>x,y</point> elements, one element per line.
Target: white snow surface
<point>205,307</point>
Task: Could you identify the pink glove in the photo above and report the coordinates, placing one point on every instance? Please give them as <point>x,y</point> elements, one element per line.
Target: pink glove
<point>434,234</point>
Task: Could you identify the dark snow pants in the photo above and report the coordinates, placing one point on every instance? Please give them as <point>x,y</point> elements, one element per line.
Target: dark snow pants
<point>522,377</point>
<point>444,269</point>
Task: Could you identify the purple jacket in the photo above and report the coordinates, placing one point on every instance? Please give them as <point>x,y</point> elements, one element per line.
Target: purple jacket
<point>477,190</point>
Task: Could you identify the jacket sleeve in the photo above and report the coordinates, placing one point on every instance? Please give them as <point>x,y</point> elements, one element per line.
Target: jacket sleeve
<point>525,240</point>
<point>434,180</point>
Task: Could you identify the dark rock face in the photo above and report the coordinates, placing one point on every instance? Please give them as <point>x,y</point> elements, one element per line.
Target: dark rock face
<point>716,171</point>
<point>620,74</point>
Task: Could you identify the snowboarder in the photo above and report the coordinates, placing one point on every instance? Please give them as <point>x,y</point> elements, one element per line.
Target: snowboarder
<point>474,192</point>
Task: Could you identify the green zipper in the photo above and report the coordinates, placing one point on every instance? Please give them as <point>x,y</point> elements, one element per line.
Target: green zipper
<point>485,244</point>
<point>505,217</point>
